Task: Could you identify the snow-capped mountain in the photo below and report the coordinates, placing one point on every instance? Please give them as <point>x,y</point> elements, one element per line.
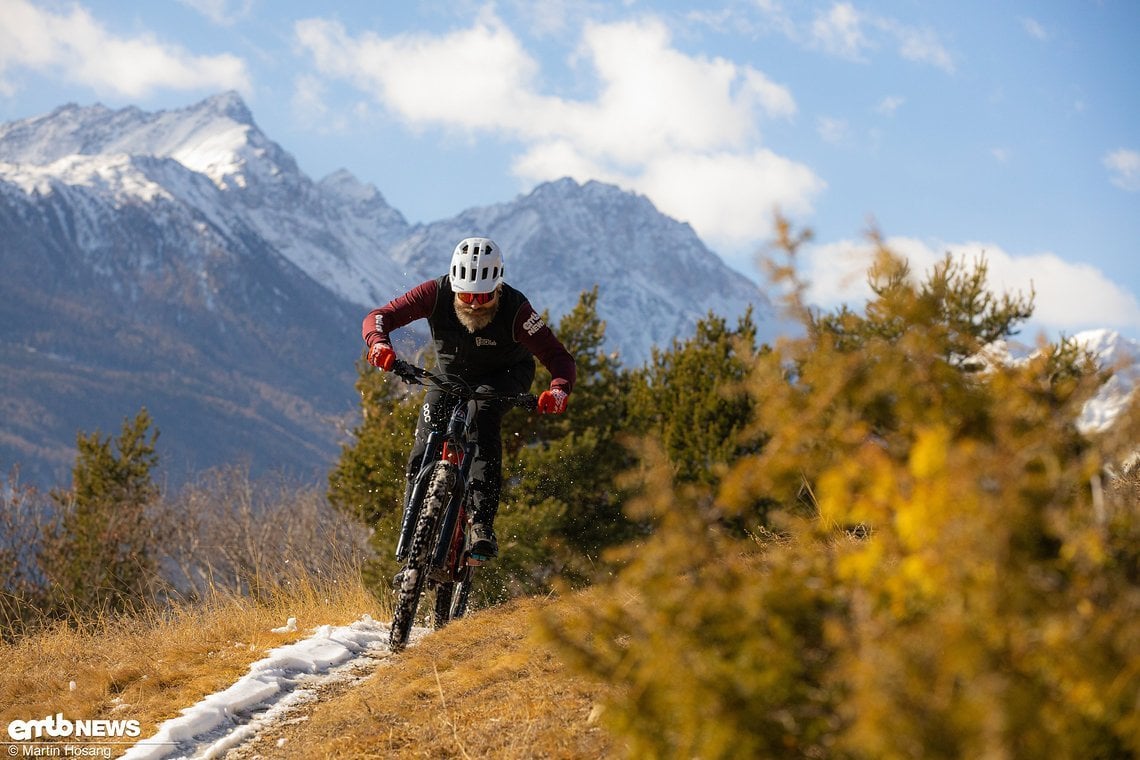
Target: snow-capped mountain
<point>181,260</point>
<point>1112,352</point>
<point>229,170</point>
<point>1121,355</point>
<point>657,278</point>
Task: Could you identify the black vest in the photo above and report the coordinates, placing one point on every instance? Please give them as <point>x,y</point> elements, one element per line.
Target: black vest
<point>486,352</point>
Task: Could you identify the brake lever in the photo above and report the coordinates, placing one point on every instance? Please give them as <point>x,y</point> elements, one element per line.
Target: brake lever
<point>406,372</point>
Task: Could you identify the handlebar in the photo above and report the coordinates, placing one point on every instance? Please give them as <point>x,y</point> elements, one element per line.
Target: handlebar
<point>457,386</point>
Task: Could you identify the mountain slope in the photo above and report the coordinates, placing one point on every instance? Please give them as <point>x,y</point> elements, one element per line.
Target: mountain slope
<point>181,260</point>
<point>110,304</point>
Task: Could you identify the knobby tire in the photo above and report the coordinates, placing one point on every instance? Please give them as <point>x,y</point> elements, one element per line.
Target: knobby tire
<point>444,594</point>
<point>451,600</point>
<point>416,568</point>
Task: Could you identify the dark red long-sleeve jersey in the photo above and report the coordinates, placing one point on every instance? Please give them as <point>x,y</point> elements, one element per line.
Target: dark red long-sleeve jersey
<point>515,335</point>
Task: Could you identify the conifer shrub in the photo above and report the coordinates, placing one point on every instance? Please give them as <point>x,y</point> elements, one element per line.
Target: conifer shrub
<point>96,553</point>
<point>951,570</point>
<point>690,397</point>
<point>569,463</point>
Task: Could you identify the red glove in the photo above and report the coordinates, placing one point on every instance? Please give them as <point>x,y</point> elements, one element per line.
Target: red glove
<point>381,355</point>
<point>552,401</point>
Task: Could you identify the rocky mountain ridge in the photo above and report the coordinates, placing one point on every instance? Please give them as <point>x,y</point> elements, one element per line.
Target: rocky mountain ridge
<point>182,261</point>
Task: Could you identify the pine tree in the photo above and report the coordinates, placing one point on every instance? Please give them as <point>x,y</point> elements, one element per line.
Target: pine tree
<point>99,555</point>
<point>368,479</point>
<point>691,398</point>
<point>561,506</point>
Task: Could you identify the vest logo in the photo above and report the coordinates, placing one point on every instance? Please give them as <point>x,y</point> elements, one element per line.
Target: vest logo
<point>533,324</point>
<point>480,342</point>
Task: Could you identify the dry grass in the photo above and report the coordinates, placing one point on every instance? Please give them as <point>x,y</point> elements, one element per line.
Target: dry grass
<point>482,687</point>
<point>149,667</point>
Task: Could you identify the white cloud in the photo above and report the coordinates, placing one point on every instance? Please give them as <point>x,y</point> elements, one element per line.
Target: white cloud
<point>78,48</point>
<point>311,109</point>
<point>221,12</point>
<point>831,130</point>
<point>839,32</point>
<point>921,45</point>
<point>846,32</point>
<point>1034,29</point>
<point>729,198</point>
<point>471,79</point>
<point>1069,296</point>
<point>549,18</point>
<point>888,105</point>
<point>682,129</point>
<point>756,18</point>
<point>1125,167</point>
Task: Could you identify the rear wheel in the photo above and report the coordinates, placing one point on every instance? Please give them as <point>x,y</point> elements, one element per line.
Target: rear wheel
<point>451,599</point>
<point>415,571</point>
<point>444,594</point>
<point>462,592</point>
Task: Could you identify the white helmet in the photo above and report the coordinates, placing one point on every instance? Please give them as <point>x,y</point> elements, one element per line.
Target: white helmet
<point>476,266</point>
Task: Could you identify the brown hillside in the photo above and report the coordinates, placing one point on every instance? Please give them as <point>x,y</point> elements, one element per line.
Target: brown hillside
<point>482,687</point>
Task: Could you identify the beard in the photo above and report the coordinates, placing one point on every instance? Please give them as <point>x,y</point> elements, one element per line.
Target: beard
<point>475,319</point>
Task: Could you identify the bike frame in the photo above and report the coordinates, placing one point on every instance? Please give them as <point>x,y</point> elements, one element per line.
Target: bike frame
<point>447,562</point>
<point>454,444</point>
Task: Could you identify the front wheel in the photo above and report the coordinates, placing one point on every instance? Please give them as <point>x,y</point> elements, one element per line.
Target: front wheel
<point>414,574</point>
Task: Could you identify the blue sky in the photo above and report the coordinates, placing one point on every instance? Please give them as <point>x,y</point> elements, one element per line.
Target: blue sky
<point>1010,129</point>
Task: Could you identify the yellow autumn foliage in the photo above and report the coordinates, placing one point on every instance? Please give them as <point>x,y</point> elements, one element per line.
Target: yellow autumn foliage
<point>953,568</point>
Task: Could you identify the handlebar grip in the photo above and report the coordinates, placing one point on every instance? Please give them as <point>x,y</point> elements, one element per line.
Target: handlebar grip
<point>406,371</point>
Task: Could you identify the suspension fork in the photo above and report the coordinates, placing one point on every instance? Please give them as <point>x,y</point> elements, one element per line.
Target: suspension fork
<point>437,447</point>
<point>416,496</point>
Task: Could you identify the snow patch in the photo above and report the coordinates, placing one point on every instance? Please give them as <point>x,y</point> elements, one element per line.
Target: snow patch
<point>286,677</point>
<point>289,627</point>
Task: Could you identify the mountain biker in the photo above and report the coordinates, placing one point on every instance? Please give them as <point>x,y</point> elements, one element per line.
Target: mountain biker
<point>486,332</point>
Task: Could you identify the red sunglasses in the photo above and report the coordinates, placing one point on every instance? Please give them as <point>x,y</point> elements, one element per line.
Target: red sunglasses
<point>479,298</point>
